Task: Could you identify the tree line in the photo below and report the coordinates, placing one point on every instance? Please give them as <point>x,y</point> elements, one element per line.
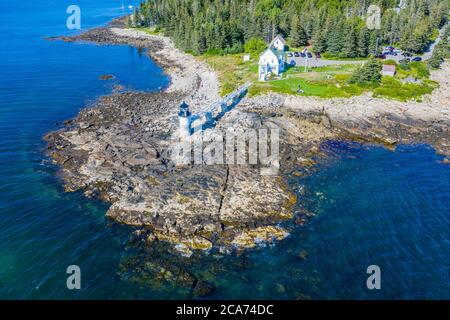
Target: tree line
<point>333,26</point>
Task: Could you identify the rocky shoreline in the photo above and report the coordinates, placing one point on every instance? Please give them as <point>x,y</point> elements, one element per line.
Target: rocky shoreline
<point>117,150</point>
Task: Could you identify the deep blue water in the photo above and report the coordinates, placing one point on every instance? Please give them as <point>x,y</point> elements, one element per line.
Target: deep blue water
<point>372,206</point>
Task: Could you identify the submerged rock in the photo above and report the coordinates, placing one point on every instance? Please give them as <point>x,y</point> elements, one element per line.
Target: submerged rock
<point>203,289</point>
<point>106,77</point>
<point>303,255</point>
<point>251,238</point>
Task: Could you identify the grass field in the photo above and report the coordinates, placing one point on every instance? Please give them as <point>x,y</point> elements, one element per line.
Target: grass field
<point>325,82</point>
<point>395,89</point>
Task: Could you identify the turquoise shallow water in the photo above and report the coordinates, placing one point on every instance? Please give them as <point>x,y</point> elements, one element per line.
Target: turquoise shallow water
<point>372,206</point>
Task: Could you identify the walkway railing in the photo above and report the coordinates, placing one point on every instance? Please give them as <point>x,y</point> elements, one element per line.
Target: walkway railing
<point>217,110</point>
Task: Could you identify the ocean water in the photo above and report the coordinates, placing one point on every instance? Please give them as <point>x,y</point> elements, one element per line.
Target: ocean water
<point>372,206</point>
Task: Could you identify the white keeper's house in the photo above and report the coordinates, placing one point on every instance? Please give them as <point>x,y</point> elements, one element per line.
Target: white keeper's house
<point>272,61</point>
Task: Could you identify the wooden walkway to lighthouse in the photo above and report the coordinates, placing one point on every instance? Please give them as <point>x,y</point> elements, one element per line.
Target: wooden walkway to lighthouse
<point>217,110</point>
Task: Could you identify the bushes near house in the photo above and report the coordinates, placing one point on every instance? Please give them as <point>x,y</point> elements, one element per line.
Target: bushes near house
<point>395,89</point>
<point>368,73</point>
<point>255,46</point>
<point>414,69</point>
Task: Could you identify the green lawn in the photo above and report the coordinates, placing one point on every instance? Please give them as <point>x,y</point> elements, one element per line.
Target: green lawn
<point>415,69</point>
<point>232,71</point>
<point>324,89</point>
<point>395,89</point>
<point>325,82</point>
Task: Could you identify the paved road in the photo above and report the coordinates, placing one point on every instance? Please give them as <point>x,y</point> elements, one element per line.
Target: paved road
<point>314,62</point>
<point>428,51</point>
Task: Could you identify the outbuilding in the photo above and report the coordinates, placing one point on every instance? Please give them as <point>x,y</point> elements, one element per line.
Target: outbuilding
<point>388,70</point>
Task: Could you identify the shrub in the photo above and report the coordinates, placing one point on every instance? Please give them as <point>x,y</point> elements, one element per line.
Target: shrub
<point>420,69</point>
<point>440,53</point>
<point>236,48</point>
<point>255,46</point>
<point>405,66</point>
<point>393,88</point>
<point>369,72</point>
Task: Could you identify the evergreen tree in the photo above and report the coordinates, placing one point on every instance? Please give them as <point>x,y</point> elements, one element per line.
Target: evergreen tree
<point>363,42</point>
<point>297,35</point>
<point>440,52</point>
<point>335,39</point>
<point>225,25</point>
<point>136,20</point>
<point>369,72</point>
<point>350,45</point>
<point>319,42</point>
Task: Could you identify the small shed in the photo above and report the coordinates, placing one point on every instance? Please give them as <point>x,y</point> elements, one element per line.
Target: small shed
<point>246,57</point>
<point>388,70</point>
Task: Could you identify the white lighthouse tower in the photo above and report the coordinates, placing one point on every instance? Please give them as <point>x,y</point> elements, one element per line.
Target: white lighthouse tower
<point>184,117</point>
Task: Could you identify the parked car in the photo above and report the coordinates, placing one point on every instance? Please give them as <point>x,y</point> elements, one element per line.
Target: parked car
<point>392,53</point>
<point>381,56</point>
<point>289,54</point>
<point>296,54</point>
<point>318,56</point>
<point>416,59</point>
<point>406,60</point>
<point>302,54</point>
<point>407,54</point>
<point>309,55</point>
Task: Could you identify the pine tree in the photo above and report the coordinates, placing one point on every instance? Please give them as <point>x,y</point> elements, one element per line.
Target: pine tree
<point>363,42</point>
<point>319,42</point>
<point>369,72</point>
<point>136,21</point>
<point>335,39</point>
<point>228,24</point>
<point>297,34</point>
<point>440,52</point>
<point>350,45</point>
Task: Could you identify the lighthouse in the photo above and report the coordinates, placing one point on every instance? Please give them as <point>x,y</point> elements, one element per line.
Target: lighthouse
<point>184,117</point>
